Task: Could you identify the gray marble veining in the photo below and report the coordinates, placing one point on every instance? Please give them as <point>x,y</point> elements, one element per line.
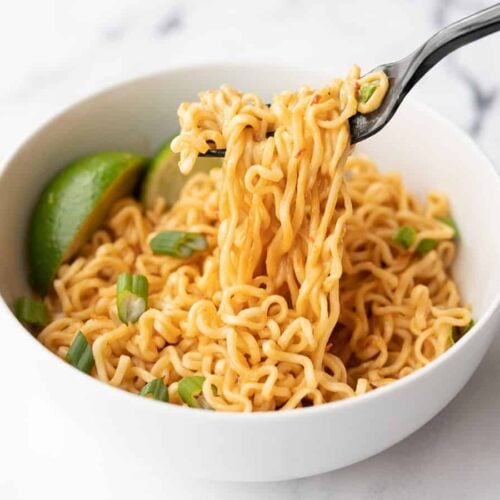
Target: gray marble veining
<point>483,94</point>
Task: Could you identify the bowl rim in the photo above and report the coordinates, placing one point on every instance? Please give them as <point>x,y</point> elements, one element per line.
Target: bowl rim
<point>115,392</point>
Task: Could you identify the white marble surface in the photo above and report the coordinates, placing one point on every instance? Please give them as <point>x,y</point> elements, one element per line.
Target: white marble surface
<point>54,52</point>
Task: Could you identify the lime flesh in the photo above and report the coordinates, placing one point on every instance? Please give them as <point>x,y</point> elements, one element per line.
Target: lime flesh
<point>164,180</point>
<point>72,206</point>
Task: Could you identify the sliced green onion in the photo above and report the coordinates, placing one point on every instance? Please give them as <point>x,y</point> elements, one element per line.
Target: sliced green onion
<point>366,91</point>
<point>131,296</point>
<point>31,311</point>
<point>449,221</point>
<point>80,353</point>
<point>405,236</point>
<point>457,332</point>
<point>156,389</point>
<point>179,244</point>
<point>466,328</point>
<point>190,391</point>
<point>426,246</point>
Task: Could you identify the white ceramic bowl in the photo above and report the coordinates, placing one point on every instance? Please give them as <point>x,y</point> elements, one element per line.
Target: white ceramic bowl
<point>138,115</point>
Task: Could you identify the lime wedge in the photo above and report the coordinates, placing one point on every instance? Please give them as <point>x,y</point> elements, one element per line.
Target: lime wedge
<point>163,178</point>
<point>72,206</point>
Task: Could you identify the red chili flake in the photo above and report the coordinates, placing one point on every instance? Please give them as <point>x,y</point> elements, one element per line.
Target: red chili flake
<point>316,98</point>
<point>93,315</point>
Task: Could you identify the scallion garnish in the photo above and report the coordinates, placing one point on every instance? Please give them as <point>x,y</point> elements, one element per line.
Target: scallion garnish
<point>31,311</point>
<point>449,221</point>
<point>190,391</point>
<point>179,244</point>
<point>131,296</point>
<point>366,91</point>
<point>80,353</point>
<point>405,236</point>
<point>156,389</point>
<point>457,332</point>
<point>426,245</point>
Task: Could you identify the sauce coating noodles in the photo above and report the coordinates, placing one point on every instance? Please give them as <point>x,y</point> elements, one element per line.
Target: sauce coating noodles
<point>302,296</point>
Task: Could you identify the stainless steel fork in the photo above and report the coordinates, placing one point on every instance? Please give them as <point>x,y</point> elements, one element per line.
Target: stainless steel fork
<point>405,73</point>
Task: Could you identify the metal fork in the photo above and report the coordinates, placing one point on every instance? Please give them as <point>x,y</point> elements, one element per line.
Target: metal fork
<point>405,73</point>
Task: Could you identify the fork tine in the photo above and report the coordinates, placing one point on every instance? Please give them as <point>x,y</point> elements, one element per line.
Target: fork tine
<point>219,153</point>
<point>214,153</point>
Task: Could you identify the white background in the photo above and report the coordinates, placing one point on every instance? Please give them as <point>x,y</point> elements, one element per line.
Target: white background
<point>54,52</point>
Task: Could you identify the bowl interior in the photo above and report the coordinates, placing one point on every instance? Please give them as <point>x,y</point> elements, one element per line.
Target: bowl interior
<point>433,155</point>
<point>429,152</point>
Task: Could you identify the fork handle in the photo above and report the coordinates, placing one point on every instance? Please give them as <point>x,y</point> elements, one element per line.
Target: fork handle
<point>447,40</point>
